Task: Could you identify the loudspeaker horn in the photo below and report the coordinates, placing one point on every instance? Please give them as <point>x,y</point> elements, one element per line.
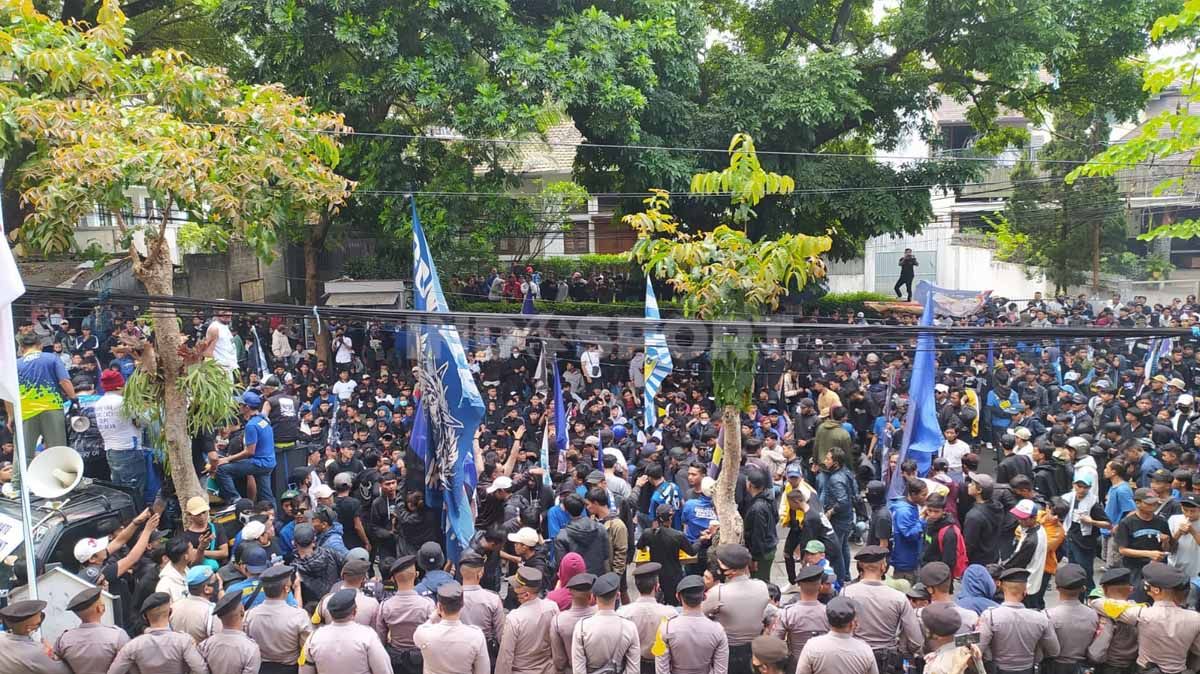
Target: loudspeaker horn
<point>55,472</point>
<point>80,423</point>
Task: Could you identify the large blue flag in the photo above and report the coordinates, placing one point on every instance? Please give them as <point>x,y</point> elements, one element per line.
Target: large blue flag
<point>658,361</point>
<point>450,399</point>
<point>560,411</point>
<point>527,307</point>
<point>922,437</point>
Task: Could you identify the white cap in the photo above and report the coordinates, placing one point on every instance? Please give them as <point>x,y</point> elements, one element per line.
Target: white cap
<point>941,388</point>
<point>593,440</point>
<point>253,530</point>
<point>1185,399</point>
<point>322,491</point>
<point>1078,444</point>
<point>87,547</point>
<point>502,482</point>
<point>1023,433</point>
<point>526,536</point>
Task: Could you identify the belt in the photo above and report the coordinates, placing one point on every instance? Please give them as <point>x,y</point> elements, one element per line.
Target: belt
<point>285,445</point>
<point>277,668</point>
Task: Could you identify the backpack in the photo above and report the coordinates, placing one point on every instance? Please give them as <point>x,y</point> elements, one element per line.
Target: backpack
<point>960,558</point>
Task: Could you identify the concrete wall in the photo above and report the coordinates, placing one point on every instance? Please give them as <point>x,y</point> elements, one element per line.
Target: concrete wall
<point>221,275</point>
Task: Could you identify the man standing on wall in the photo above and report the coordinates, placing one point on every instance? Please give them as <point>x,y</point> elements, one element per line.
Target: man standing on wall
<point>908,270</point>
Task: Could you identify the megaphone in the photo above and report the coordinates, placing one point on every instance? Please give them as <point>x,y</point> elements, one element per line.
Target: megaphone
<point>80,423</point>
<point>55,472</point>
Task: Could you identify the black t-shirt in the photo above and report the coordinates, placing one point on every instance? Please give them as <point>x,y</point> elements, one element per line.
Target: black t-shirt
<point>219,539</point>
<point>1138,534</point>
<point>881,526</point>
<point>348,508</point>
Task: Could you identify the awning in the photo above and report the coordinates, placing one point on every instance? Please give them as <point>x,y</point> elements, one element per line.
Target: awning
<point>363,299</point>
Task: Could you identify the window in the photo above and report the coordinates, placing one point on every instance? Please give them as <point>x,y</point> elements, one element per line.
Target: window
<point>575,239</point>
<point>104,217</point>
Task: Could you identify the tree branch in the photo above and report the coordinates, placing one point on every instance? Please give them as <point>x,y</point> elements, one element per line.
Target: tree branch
<point>843,18</point>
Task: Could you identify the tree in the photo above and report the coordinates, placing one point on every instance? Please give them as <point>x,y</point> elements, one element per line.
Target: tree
<point>722,275</point>
<point>244,162</point>
<point>1173,134</point>
<point>1066,228</point>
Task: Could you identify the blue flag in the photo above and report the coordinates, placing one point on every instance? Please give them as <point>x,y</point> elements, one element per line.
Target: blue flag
<point>658,361</point>
<point>527,306</point>
<point>560,411</point>
<point>450,402</point>
<point>922,437</point>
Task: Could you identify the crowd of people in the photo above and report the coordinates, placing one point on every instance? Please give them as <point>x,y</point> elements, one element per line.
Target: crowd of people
<point>1057,524</point>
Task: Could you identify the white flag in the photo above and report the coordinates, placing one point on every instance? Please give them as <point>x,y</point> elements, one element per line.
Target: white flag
<point>11,287</point>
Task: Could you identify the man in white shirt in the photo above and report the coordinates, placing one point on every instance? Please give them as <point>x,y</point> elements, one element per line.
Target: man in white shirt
<point>589,362</point>
<point>1185,537</point>
<point>218,342</point>
<point>1024,446</point>
<point>122,438</point>
<point>343,348</point>
<point>953,451</point>
<point>344,387</point>
<point>281,346</point>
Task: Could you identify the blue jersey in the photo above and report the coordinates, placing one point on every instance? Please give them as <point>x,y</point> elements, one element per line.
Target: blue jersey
<point>38,376</point>
<point>696,515</point>
<point>251,596</point>
<point>259,433</point>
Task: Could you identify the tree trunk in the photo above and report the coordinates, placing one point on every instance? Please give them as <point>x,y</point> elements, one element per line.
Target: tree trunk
<point>724,499</point>
<point>312,296</point>
<point>14,212</point>
<point>1096,256</point>
<point>157,273</point>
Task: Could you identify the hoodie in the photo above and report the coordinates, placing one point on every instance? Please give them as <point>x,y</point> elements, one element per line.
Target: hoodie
<point>982,529</point>
<point>570,566</point>
<point>907,531</point>
<point>331,539</point>
<point>977,590</point>
<point>587,537</point>
<point>318,572</point>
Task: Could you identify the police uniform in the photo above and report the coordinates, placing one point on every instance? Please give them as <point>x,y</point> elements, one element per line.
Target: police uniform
<point>398,618</point>
<point>193,615</point>
<point>738,605</point>
<point>886,619</point>
<point>449,646</point>
<point>91,647</point>
<point>802,620</point>
<point>230,651</point>
<point>525,643</point>
<point>936,574</point>
<point>1167,632</point>
<point>159,650</point>
<point>345,647</point>
<point>647,615</point>
<point>1074,624</point>
<point>279,629</point>
<point>838,652</point>
<point>606,637</point>
<point>1010,634</point>
<point>563,624</point>
<point>22,653</point>
<point>366,606</point>
<point>695,644</point>
<point>483,609</point>
<point>941,620</point>
<point>1116,644</point>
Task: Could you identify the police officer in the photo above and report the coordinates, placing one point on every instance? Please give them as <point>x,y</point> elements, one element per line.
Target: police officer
<point>344,647</point>
<point>159,650</point>
<point>1074,623</point>
<point>354,574</point>
<point>193,615</point>
<point>1116,643</point>
<point>18,651</point>
<point>838,652</point>
<point>646,613</point>
<point>695,644</point>
<point>1010,634</point>
<point>91,647</point>
<point>605,638</point>
<point>1167,632</point>
<point>481,607</point>
<point>448,646</point>
<point>563,624</point>
<point>804,619</point>
<point>399,616</point>
<point>885,619</point>
<point>230,651</point>
<point>771,655</point>
<point>279,629</point>
<point>738,603</point>
<point>942,623</point>
<point>937,578</point>
<point>525,643</point>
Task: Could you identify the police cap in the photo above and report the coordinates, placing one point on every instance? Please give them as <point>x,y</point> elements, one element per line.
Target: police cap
<point>84,600</point>
<point>277,573</point>
<point>450,591</point>
<point>942,620</point>
<point>356,567</point>
<point>581,581</point>
<point>606,584</point>
<point>733,555</point>
<point>342,603</point>
<point>1070,577</point>
<point>871,553</point>
<point>810,573</point>
<point>22,610</point>
<point>227,603</point>
<point>690,584</point>
<point>1117,576</point>
<point>647,569</point>
<point>526,576</point>
<point>840,611</point>
<point>768,649</point>
<point>472,559</point>
<point>934,574</point>
<point>1164,576</point>
<point>402,563</point>
<point>1014,575</point>
<point>156,600</point>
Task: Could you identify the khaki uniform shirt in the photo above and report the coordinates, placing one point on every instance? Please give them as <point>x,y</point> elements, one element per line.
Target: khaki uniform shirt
<point>23,654</point>
<point>525,643</point>
<point>968,618</point>
<point>279,630</point>
<point>886,621</point>
<point>561,629</point>
<point>450,647</point>
<point>1075,626</point>
<point>1166,634</point>
<point>90,648</point>
<point>739,605</point>
<point>603,638</point>
<point>647,614</point>
<point>695,645</point>
<point>194,617</point>
<point>837,653</point>
<point>365,609</point>
<point>1116,643</point>
<point>941,661</point>
<point>800,622</point>
<point>345,648</point>
<point>483,609</point>
<point>159,651</point>
<point>230,652</point>
<point>1010,636</point>
<point>399,616</point>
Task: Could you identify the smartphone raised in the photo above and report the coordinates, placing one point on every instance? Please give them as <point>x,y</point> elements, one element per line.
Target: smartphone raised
<point>968,639</point>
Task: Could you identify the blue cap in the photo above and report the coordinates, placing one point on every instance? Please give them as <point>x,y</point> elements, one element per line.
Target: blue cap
<point>251,399</point>
<point>305,407</point>
<point>198,575</point>
<point>256,559</point>
<point>795,471</point>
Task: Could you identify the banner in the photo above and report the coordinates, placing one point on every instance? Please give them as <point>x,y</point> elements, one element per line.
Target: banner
<point>560,413</point>
<point>658,360</point>
<point>450,399</point>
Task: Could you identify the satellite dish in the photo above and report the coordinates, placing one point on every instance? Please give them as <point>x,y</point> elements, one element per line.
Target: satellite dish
<point>55,472</point>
